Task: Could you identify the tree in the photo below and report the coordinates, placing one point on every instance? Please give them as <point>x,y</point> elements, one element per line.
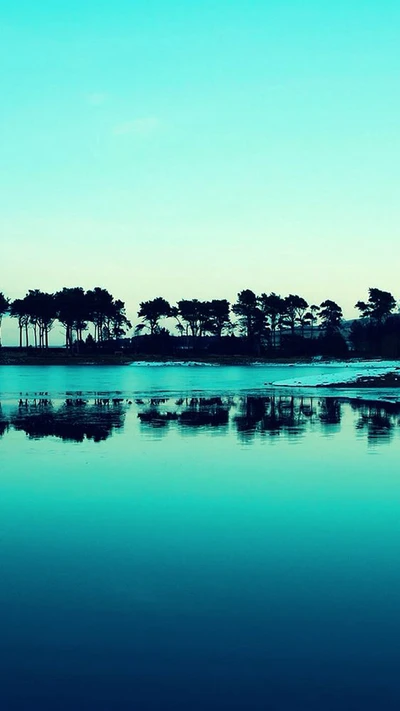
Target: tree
<point>18,310</point>
<point>72,309</point>
<point>331,341</point>
<point>379,306</point>
<point>190,311</point>
<point>311,317</point>
<point>251,318</point>
<point>249,313</point>
<point>151,312</point>
<point>295,309</point>
<point>100,308</point>
<point>15,308</point>
<point>331,316</point>
<point>273,306</point>
<point>202,317</point>
<point>118,323</point>
<point>218,316</point>
<point>40,307</point>
<point>75,308</point>
<point>205,318</point>
<point>4,308</point>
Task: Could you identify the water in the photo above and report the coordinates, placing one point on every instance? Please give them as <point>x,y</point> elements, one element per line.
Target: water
<point>175,547</point>
<point>165,379</point>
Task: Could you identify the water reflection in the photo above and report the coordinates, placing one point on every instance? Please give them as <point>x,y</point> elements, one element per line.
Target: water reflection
<point>272,416</point>
<point>255,417</point>
<point>249,417</point>
<point>330,411</point>
<point>376,419</point>
<point>4,424</point>
<point>72,421</point>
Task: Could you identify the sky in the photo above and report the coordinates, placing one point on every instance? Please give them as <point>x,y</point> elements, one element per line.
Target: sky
<point>191,150</point>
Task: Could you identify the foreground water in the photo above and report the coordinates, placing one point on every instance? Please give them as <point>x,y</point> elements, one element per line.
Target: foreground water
<point>170,548</point>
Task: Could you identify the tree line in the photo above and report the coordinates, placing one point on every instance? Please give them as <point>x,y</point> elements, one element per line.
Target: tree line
<point>262,321</point>
<point>261,324</point>
<point>289,325</point>
<point>74,308</point>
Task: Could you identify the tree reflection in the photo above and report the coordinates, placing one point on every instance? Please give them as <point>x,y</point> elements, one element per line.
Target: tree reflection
<point>252,417</point>
<point>73,421</point>
<point>190,413</point>
<point>273,416</point>
<point>4,424</point>
<point>377,419</point>
<point>256,417</point>
<point>205,412</point>
<point>330,411</point>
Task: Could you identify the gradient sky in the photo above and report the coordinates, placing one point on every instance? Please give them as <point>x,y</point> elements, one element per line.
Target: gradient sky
<point>162,147</point>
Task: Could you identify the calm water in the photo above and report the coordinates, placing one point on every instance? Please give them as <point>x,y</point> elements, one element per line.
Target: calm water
<point>176,539</point>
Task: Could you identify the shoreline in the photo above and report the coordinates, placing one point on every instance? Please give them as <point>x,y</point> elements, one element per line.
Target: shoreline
<point>389,380</point>
<point>60,357</point>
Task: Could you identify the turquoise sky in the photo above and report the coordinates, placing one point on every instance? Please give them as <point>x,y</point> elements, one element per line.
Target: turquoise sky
<point>196,149</point>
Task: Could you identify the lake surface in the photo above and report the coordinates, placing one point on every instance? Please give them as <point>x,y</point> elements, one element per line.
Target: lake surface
<point>185,538</point>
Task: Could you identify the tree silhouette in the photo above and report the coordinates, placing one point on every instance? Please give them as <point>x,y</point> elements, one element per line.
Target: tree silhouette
<point>18,311</point>
<point>202,317</point>
<point>295,310</point>
<point>41,310</point>
<point>191,313</point>
<point>311,317</point>
<point>72,309</point>
<point>274,308</point>
<point>4,308</point>
<point>286,325</point>
<point>331,340</point>
<point>151,312</point>
<point>331,316</point>
<point>218,316</point>
<point>379,306</point>
<point>119,322</point>
<point>250,315</point>
<point>100,307</point>
<point>252,320</point>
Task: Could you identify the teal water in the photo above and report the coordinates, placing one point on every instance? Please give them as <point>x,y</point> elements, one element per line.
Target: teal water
<point>185,551</point>
<point>153,378</point>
